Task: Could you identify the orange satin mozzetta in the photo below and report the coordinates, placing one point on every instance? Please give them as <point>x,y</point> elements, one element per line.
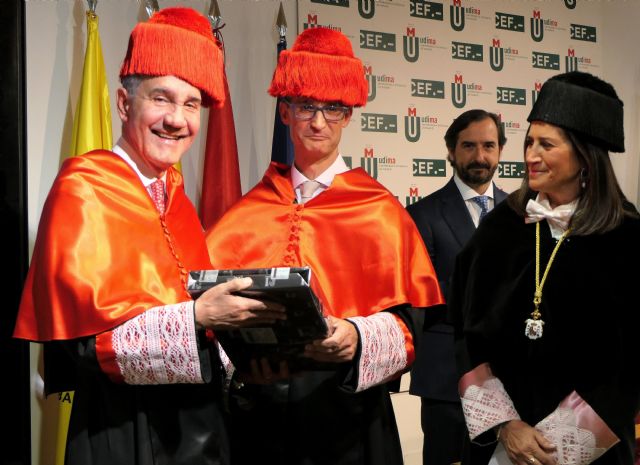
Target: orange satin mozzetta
<point>103,253</point>
<point>364,250</point>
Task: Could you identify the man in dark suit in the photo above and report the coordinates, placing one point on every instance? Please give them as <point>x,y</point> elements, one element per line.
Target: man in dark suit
<point>446,220</point>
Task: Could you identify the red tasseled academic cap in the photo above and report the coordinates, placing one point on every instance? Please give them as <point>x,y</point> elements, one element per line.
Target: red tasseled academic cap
<point>178,42</point>
<point>321,66</point>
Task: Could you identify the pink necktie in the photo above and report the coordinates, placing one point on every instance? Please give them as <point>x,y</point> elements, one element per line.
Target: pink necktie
<point>156,190</point>
<point>307,190</point>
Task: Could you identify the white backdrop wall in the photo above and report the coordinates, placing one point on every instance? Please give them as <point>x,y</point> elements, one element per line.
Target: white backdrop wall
<point>56,39</point>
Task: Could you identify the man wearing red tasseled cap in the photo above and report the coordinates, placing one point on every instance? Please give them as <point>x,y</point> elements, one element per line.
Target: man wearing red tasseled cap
<point>106,290</point>
<point>370,267</point>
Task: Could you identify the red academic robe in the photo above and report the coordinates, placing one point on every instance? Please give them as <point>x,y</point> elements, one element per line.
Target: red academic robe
<point>104,255</point>
<point>366,256</point>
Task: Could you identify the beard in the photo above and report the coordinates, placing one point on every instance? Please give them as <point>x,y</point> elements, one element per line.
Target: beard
<point>475,178</point>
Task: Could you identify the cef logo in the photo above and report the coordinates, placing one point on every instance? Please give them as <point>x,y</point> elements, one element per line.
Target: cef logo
<point>511,96</point>
<point>378,122</point>
<point>412,125</point>
<point>535,92</point>
<point>496,55</point>
<point>343,3</point>
<point>410,47</point>
<point>426,10</point>
<point>466,51</point>
<point>374,40</point>
<point>427,89</point>
<point>511,169</point>
<point>537,26</point>
<point>580,32</point>
<point>413,196</point>
<point>369,163</point>
<point>509,22</point>
<point>312,21</point>
<point>371,82</point>
<point>456,15</point>
<point>426,167</point>
<point>458,92</point>
<point>543,60</point>
<point>367,8</point>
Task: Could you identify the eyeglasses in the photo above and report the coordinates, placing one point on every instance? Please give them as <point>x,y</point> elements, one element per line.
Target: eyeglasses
<point>307,111</point>
<point>162,102</point>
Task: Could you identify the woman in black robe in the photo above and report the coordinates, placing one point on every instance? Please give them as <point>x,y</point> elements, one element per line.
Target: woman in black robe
<point>543,302</point>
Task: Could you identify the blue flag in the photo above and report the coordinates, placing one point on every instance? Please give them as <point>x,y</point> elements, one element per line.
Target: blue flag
<point>281,147</point>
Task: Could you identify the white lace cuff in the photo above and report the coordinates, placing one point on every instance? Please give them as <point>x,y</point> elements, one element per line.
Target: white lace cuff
<point>383,351</point>
<point>485,402</point>
<point>578,432</point>
<point>158,346</point>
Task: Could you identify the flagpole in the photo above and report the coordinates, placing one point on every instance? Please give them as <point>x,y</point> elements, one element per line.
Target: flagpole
<point>281,146</point>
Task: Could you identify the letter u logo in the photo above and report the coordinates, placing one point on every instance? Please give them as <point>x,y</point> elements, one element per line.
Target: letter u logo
<point>571,4</point>
<point>571,63</point>
<point>367,8</point>
<point>537,29</point>
<point>496,58</point>
<point>412,128</point>
<point>371,80</point>
<point>410,49</point>
<point>370,165</point>
<point>456,19</point>
<point>458,94</point>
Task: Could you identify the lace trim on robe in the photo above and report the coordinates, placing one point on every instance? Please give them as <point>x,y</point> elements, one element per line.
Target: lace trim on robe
<point>578,432</point>
<point>159,346</point>
<point>383,353</point>
<point>485,402</point>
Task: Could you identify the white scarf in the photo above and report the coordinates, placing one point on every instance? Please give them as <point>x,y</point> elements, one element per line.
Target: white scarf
<point>558,218</point>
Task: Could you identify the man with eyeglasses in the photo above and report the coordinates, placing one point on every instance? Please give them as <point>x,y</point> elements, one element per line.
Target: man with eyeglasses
<point>106,290</point>
<point>369,265</point>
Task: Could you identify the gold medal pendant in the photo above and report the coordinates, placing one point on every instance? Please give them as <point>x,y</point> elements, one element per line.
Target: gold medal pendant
<point>533,328</point>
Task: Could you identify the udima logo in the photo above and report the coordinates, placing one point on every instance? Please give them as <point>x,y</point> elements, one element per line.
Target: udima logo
<point>367,8</point>
<point>456,15</point>
<point>371,82</point>
<point>413,196</point>
<point>412,125</point>
<point>535,92</point>
<point>537,26</point>
<point>410,47</point>
<point>369,163</point>
<point>571,61</point>
<point>496,55</point>
<point>458,92</point>
<point>312,22</point>
<point>571,4</point>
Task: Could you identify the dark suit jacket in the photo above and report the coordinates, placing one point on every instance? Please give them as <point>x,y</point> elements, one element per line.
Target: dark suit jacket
<point>445,225</point>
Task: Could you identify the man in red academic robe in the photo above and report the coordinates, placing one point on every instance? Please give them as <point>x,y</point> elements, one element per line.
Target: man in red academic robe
<point>106,290</point>
<point>370,269</point>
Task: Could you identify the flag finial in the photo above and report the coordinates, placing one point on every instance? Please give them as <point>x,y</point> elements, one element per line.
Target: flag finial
<point>92,6</point>
<point>215,17</point>
<point>281,23</point>
<point>151,6</point>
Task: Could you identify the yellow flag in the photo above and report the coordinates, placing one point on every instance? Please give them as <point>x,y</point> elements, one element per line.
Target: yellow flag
<point>91,130</point>
<point>92,123</point>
